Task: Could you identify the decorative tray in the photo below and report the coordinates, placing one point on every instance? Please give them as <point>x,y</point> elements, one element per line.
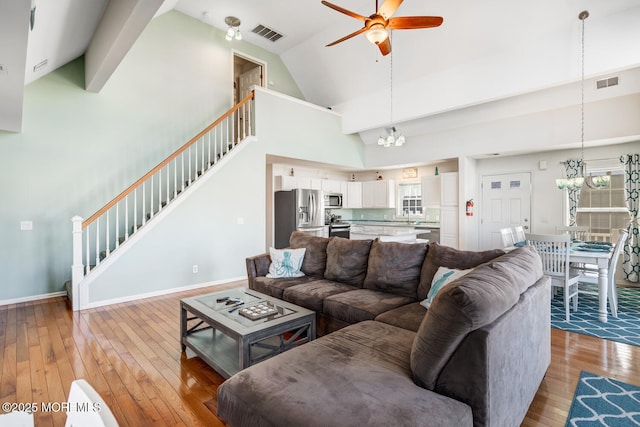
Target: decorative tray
<point>258,311</point>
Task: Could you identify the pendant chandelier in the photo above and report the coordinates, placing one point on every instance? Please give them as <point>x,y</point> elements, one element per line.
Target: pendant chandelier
<point>393,137</point>
<point>594,182</point>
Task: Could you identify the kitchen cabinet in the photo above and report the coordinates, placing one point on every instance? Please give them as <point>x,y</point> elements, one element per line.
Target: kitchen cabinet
<point>449,189</point>
<point>378,194</point>
<point>288,182</point>
<point>331,186</point>
<point>431,190</point>
<point>352,199</point>
<point>449,226</point>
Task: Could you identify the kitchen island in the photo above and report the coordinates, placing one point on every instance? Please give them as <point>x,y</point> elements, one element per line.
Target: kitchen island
<point>386,233</point>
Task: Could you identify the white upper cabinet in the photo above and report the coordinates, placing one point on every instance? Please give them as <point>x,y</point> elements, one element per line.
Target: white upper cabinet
<point>431,191</point>
<point>379,194</point>
<point>352,198</point>
<point>449,189</point>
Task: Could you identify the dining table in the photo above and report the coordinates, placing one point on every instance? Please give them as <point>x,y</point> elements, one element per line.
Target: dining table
<point>581,254</point>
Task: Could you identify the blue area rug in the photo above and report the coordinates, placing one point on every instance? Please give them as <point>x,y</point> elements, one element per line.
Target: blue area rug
<point>601,401</point>
<point>625,328</point>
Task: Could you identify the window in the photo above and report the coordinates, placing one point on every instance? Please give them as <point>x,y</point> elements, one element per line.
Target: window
<point>603,210</point>
<point>409,199</point>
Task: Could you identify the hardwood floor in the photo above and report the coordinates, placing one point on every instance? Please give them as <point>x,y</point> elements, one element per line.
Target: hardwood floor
<point>131,355</point>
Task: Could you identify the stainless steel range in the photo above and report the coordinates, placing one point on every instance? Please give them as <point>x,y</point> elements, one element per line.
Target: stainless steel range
<point>340,229</point>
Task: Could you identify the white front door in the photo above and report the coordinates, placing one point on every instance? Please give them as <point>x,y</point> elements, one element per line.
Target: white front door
<point>506,202</point>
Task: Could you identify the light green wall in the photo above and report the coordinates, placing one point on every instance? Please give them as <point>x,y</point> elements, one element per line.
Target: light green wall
<point>78,149</point>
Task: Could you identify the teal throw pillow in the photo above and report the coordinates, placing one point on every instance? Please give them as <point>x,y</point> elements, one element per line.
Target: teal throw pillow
<point>286,263</point>
<point>443,277</point>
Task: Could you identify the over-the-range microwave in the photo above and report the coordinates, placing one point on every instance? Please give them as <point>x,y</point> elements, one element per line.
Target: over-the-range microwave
<point>332,200</point>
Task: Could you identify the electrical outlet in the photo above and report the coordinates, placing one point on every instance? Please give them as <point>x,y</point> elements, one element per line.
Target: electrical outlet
<point>195,268</point>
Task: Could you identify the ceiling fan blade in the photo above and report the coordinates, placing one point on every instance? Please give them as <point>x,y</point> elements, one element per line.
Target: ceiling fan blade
<point>385,47</point>
<point>388,8</point>
<point>355,33</point>
<point>412,22</point>
<point>343,10</point>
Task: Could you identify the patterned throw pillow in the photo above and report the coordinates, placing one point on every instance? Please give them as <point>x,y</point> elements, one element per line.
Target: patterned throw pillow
<point>286,263</point>
<point>442,277</point>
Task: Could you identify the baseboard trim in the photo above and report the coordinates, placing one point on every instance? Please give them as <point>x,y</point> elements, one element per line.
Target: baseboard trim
<point>32,298</point>
<point>130,298</point>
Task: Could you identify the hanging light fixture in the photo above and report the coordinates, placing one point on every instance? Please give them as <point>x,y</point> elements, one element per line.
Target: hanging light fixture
<point>594,182</point>
<point>233,32</point>
<point>390,138</point>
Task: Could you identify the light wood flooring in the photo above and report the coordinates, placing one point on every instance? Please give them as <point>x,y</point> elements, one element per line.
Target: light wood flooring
<point>130,353</point>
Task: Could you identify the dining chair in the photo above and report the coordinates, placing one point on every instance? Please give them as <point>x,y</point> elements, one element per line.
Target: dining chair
<point>576,232</point>
<point>507,237</point>
<point>518,234</point>
<point>554,252</point>
<point>589,276</point>
<point>87,408</point>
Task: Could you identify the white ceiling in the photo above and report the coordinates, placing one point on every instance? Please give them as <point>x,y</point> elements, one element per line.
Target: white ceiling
<point>352,76</point>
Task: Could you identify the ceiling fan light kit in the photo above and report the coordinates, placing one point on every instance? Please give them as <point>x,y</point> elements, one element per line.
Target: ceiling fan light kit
<point>377,34</point>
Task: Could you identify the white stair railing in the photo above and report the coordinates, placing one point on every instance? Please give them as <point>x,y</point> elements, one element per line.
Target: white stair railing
<point>97,237</point>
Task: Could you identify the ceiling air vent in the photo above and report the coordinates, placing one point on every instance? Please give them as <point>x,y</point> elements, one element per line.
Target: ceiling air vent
<point>611,81</point>
<point>267,33</point>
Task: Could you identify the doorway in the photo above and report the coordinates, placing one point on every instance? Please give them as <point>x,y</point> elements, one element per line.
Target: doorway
<point>506,202</point>
<point>247,72</point>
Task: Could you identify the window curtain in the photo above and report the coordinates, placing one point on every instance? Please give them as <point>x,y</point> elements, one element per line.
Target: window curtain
<point>572,169</point>
<point>631,263</point>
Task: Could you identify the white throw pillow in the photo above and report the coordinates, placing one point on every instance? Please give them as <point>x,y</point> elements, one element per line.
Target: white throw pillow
<point>286,262</point>
<point>442,277</point>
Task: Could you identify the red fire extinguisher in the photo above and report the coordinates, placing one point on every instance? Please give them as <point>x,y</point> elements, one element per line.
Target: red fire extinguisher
<point>470,207</point>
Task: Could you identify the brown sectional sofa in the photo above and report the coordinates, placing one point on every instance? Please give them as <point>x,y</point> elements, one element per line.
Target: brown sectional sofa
<point>475,357</point>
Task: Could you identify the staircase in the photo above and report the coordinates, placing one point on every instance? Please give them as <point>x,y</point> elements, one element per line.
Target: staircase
<point>103,234</point>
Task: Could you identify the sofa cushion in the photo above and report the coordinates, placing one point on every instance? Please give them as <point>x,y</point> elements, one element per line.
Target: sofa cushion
<point>347,261</point>
<point>310,295</point>
<point>438,255</point>
<point>357,376</point>
<point>315,260</point>
<point>469,303</point>
<point>362,304</point>
<point>275,287</point>
<point>407,317</point>
<point>395,267</point>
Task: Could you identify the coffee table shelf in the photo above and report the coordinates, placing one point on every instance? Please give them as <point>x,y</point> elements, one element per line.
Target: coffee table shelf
<point>229,342</point>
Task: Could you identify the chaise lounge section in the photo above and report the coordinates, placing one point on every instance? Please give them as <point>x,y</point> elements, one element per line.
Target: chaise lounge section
<point>475,357</point>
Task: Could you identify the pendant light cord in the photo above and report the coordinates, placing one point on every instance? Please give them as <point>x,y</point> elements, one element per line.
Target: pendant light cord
<point>582,17</point>
<point>391,79</point>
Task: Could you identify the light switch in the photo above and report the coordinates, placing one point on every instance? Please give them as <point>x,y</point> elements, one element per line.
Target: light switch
<point>26,225</point>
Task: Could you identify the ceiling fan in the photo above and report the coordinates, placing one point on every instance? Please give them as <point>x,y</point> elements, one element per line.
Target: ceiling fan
<point>376,25</point>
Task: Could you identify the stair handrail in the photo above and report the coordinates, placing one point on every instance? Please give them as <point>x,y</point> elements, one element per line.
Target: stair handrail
<point>166,161</point>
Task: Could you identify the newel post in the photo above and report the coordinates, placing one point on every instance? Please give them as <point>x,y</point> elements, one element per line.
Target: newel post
<point>77,269</point>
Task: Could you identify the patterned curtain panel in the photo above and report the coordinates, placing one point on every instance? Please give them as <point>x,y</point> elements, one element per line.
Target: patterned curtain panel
<point>631,263</point>
<point>572,169</point>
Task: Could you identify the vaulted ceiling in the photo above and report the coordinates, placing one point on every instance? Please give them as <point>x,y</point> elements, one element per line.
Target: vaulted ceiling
<point>484,52</point>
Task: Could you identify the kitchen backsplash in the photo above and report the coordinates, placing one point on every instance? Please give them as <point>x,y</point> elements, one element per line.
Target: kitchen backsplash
<point>431,215</point>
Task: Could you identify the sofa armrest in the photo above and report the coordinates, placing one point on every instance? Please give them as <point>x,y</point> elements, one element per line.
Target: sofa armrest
<point>497,369</point>
<point>257,266</point>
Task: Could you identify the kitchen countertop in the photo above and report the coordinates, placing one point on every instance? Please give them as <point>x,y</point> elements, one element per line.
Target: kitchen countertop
<point>418,225</point>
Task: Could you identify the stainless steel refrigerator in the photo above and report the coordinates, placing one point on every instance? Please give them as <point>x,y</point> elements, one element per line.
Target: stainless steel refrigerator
<point>299,209</point>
